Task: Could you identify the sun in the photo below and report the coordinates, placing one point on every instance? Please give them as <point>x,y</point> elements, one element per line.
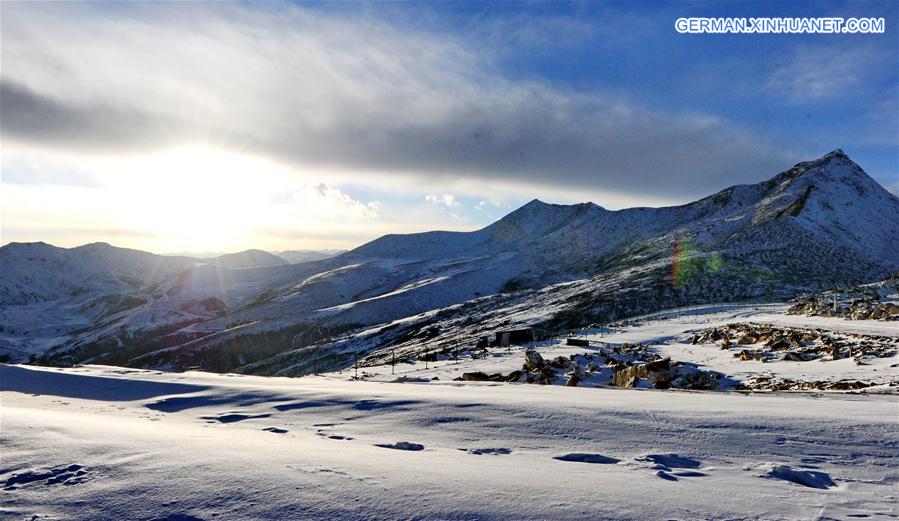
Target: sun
<point>197,198</point>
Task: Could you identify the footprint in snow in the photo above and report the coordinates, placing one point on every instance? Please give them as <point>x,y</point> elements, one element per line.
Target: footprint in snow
<point>664,465</point>
<point>490,451</point>
<point>806,478</point>
<point>587,458</point>
<point>69,475</point>
<point>672,461</point>
<point>333,436</point>
<point>232,418</point>
<point>401,445</point>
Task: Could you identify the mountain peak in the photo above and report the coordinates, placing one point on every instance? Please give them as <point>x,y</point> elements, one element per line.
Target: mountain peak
<point>536,203</point>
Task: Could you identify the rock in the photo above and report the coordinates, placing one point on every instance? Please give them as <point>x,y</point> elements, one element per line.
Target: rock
<point>747,355</point>
<point>575,376</point>
<point>662,364</point>
<point>793,356</point>
<point>627,377</point>
<point>680,382</point>
<point>778,343</point>
<point>546,375</point>
<point>533,361</point>
<point>577,342</point>
<point>475,377</point>
<point>747,339</point>
<point>560,362</point>
<point>514,376</point>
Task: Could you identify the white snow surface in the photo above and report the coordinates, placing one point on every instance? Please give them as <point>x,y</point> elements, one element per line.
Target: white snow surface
<point>115,443</point>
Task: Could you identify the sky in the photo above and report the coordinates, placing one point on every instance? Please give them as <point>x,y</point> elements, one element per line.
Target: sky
<point>180,127</point>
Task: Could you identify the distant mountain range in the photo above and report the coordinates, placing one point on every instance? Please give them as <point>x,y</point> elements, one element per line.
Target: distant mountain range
<point>823,223</point>
<point>255,258</point>
<point>297,256</point>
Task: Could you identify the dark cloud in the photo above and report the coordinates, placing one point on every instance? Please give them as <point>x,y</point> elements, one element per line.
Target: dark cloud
<point>374,99</point>
<point>32,117</point>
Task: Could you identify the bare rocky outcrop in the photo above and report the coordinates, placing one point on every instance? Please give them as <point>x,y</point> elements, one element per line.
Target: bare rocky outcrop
<point>868,302</point>
<point>764,342</point>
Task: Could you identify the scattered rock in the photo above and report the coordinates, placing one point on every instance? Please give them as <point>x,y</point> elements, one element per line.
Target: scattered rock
<point>792,356</point>
<point>799,344</point>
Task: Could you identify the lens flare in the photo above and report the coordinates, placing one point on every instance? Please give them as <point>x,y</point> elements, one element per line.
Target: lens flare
<point>687,262</point>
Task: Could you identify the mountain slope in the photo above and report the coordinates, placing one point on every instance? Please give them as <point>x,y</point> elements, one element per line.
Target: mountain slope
<point>248,259</point>
<point>820,224</point>
<point>298,256</point>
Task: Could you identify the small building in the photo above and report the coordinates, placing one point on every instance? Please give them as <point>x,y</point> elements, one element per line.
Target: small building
<point>514,337</point>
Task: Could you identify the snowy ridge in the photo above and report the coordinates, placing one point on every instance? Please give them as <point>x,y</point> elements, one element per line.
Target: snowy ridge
<point>821,224</point>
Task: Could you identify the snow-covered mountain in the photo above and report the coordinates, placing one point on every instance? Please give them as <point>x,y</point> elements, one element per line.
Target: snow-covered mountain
<point>298,256</point>
<point>248,259</point>
<point>820,224</point>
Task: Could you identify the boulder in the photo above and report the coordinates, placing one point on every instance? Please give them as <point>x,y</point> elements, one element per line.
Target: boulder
<point>747,339</point>
<point>793,356</point>
<point>546,375</point>
<point>778,343</point>
<point>560,362</point>
<point>747,355</point>
<point>627,377</point>
<point>514,376</point>
<point>475,377</point>
<point>533,361</point>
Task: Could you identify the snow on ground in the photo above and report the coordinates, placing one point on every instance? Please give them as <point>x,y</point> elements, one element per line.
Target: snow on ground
<point>99,442</point>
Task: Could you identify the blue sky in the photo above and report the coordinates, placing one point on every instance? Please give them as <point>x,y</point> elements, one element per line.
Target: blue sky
<point>224,126</point>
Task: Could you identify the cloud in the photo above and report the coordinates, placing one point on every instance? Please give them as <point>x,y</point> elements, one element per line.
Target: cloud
<point>813,73</point>
<point>351,94</point>
<point>444,199</point>
<point>326,201</point>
